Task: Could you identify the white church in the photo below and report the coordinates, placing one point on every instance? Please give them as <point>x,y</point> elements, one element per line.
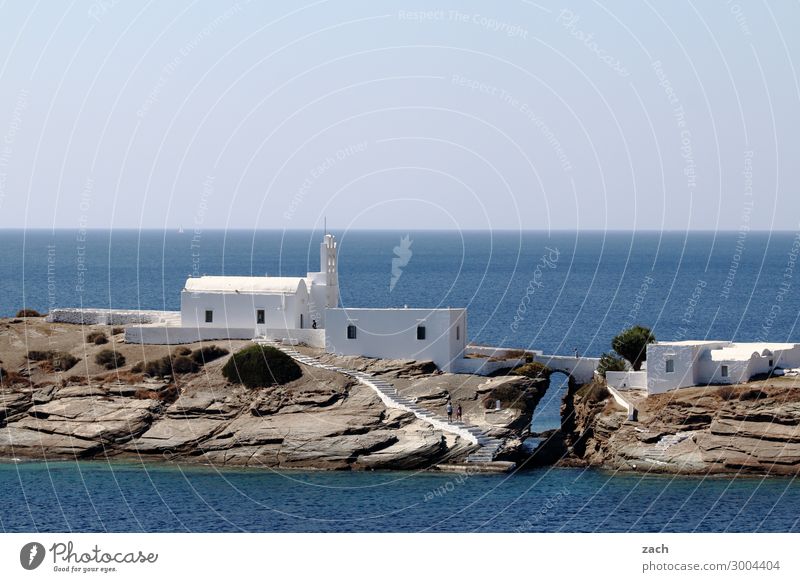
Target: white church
<point>306,310</point>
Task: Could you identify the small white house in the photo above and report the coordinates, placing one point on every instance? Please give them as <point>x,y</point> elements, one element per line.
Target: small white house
<point>418,334</point>
<point>255,303</point>
<point>682,364</point>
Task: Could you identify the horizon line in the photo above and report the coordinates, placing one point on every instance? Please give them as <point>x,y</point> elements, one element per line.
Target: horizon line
<point>455,230</point>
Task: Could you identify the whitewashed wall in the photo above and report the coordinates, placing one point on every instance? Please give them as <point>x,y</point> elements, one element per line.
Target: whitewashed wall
<point>684,374</point>
<point>174,335</point>
<point>392,334</point>
<point>238,310</point>
<point>627,380</point>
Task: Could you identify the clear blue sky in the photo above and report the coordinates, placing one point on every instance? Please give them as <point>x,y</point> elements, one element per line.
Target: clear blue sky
<point>652,115</point>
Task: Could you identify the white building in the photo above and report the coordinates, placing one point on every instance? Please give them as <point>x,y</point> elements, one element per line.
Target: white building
<point>682,364</point>
<point>214,307</point>
<point>418,334</point>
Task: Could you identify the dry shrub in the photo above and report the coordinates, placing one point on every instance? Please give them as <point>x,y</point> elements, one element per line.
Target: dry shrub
<point>147,395</point>
<point>754,394</point>
<point>110,359</point>
<point>726,393</point>
<point>53,361</point>
<point>97,338</point>
<point>11,378</point>
<point>28,313</point>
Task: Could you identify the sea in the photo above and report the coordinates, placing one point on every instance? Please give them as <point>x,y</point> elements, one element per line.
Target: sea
<point>560,292</point>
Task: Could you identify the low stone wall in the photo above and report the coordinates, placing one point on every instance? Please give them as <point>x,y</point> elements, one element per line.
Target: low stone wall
<point>310,337</point>
<point>92,316</point>
<point>492,351</point>
<point>174,335</point>
<point>623,402</point>
<point>628,380</point>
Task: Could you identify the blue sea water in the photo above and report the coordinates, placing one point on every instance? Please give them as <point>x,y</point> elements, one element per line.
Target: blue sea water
<point>557,292</point>
<point>97,496</point>
<point>567,290</point>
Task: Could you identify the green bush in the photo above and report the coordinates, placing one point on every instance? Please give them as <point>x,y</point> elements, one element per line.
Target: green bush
<point>96,337</point>
<point>260,366</point>
<point>28,313</point>
<point>110,359</point>
<point>610,363</point>
<point>208,354</point>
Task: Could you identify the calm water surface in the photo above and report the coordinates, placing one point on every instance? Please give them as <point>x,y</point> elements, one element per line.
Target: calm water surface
<point>96,496</point>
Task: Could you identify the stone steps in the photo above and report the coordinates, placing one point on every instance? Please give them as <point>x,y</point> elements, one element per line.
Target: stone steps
<point>488,445</point>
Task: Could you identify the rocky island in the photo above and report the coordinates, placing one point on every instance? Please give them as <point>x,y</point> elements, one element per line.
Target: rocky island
<point>79,391</point>
<point>751,428</point>
<point>64,396</point>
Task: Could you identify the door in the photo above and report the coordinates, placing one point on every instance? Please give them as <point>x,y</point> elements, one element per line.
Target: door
<point>261,321</point>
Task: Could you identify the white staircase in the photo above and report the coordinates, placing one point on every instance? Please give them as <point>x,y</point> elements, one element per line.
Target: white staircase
<point>392,399</point>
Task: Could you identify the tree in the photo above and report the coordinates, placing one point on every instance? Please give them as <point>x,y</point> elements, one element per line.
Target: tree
<point>631,344</point>
<point>610,363</point>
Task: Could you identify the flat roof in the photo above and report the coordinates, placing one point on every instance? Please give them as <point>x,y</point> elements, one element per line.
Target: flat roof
<point>217,284</point>
<point>428,309</point>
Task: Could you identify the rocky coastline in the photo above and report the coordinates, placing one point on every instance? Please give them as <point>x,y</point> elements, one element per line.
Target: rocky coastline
<point>752,429</point>
<point>323,420</point>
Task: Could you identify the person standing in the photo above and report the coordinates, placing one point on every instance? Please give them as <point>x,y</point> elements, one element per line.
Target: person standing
<point>449,412</point>
<point>458,412</point>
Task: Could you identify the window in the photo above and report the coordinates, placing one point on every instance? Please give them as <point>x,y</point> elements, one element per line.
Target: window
<point>420,332</point>
<point>209,316</point>
<point>458,332</point>
<point>771,363</point>
<point>670,366</point>
<point>724,371</point>
<point>260,316</point>
<point>351,331</point>
<point>301,321</point>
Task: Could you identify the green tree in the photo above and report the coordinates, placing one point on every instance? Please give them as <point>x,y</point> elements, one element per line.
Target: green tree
<point>611,363</point>
<point>631,344</point>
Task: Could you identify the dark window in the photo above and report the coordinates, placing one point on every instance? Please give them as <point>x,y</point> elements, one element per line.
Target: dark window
<point>724,371</point>
<point>771,363</point>
<point>458,332</point>
<point>301,321</point>
<point>351,331</point>
<point>260,316</point>
<point>670,366</point>
<point>420,332</point>
<point>209,316</point>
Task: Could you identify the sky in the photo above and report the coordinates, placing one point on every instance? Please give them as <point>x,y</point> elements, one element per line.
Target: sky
<point>404,115</point>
